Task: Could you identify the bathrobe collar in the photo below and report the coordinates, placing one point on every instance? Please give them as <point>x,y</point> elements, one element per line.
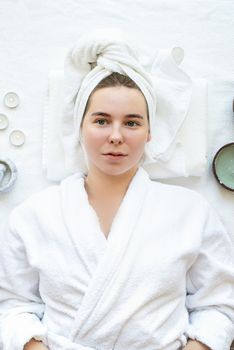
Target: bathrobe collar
<point>84,228</point>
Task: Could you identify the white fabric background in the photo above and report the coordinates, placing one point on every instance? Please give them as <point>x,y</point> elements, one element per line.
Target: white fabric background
<point>33,33</point>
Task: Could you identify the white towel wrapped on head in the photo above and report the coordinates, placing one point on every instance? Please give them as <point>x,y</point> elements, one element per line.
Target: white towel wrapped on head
<point>170,94</point>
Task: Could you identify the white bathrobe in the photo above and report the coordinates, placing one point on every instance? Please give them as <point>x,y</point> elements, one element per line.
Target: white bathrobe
<point>165,272</point>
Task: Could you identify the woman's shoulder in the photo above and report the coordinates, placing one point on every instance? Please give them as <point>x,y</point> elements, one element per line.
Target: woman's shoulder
<point>173,193</point>
<point>46,198</point>
<point>159,187</point>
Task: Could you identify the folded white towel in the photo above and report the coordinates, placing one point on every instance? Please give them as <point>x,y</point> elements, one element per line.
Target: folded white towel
<point>189,155</point>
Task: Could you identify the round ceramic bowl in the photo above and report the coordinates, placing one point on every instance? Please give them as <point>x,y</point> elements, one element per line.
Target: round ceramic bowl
<point>223,166</point>
<point>8,174</point>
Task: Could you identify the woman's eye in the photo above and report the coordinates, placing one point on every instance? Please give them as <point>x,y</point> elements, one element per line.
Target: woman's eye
<point>100,121</point>
<point>132,123</point>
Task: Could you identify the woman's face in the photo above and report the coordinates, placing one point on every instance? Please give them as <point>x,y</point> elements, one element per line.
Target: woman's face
<point>115,129</point>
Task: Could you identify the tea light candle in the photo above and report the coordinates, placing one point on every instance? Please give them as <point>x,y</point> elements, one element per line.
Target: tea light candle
<point>17,138</point>
<point>11,100</point>
<point>3,121</point>
<point>223,166</point>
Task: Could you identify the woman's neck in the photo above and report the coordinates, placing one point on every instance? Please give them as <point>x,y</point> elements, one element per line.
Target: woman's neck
<point>101,185</point>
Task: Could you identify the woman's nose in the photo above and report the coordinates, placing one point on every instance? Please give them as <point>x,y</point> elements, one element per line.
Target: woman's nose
<point>115,135</point>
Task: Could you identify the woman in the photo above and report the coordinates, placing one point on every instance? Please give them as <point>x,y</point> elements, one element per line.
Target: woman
<point>111,259</point>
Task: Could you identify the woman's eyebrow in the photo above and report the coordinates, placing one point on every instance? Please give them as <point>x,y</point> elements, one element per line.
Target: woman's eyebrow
<point>131,115</point>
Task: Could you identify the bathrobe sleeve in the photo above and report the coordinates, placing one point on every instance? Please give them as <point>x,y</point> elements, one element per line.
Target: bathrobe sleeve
<point>21,307</point>
<point>210,287</point>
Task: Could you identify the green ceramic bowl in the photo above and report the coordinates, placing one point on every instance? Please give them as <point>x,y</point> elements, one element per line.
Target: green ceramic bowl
<point>223,166</point>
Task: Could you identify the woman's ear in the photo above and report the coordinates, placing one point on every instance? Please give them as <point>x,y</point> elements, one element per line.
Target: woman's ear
<point>148,137</point>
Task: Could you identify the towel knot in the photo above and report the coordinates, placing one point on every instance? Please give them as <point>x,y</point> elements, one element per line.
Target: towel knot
<point>109,55</point>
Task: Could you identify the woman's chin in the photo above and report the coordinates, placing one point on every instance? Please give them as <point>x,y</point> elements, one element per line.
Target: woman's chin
<point>114,170</point>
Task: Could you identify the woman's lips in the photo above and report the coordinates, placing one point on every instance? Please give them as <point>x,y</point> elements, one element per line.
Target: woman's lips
<point>114,156</point>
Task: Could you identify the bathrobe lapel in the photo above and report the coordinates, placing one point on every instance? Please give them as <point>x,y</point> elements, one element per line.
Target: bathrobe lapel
<point>108,253</point>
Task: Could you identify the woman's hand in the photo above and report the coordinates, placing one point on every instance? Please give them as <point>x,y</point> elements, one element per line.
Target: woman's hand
<point>195,345</point>
<point>34,344</point>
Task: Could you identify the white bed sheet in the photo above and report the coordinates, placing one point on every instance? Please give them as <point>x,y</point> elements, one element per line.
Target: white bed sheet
<point>31,33</point>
